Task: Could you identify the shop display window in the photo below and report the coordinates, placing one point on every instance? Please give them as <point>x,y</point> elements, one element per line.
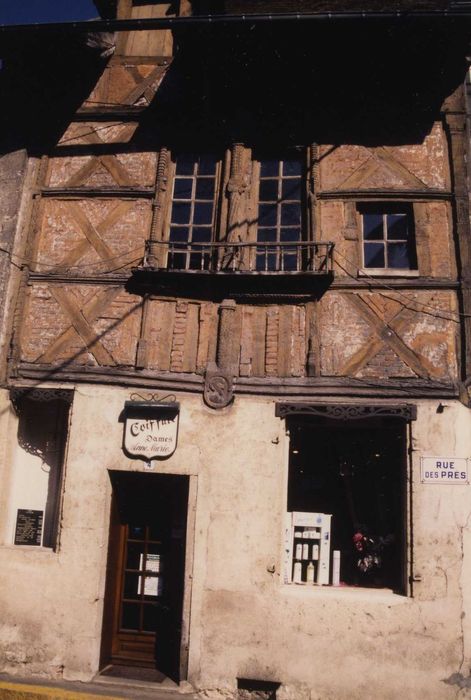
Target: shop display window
<point>346,518</point>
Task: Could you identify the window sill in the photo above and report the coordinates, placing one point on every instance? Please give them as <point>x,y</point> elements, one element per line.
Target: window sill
<point>28,548</point>
<point>380,595</point>
<point>385,272</point>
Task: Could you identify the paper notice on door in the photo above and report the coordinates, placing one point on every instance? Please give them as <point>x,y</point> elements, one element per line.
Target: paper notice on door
<point>152,584</point>
<point>153,563</point>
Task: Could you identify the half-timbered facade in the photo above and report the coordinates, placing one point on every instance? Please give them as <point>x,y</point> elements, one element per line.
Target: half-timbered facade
<point>235,418</point>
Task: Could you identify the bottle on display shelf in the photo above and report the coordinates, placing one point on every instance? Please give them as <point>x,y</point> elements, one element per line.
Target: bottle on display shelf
<point>310,572</point>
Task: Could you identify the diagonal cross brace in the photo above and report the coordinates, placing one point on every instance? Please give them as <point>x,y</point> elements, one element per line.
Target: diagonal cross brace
<point>387,334</point>
<point>81,320</point>
<point>92,233</point>
<point>117,171</point>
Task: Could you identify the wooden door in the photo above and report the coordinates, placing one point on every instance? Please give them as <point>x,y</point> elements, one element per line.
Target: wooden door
<point>144,595</point>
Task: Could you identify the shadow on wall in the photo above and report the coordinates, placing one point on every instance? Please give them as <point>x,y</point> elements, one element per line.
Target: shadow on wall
<point>372,82</point>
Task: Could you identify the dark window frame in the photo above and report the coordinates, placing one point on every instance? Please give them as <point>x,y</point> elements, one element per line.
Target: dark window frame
<point>279,230</point>
<point>385,244</point>
<point>183,255</point>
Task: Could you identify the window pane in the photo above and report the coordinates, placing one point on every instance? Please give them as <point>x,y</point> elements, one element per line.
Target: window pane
<point>271,262</point>
<point>290,214</point>
<point>133,555</point>
<point>397,227</point>
<point>290,234</point>
<point>199,261</point>
<point>203,213</point>
<point>269,168</point>
<point>130,617</point>
<point>179,234</point>
<point>266,235</point>
<point>207,164</point>
<point>201,234</point>
<point>267,215</point>
<point>398,256</point>
<point>185,164</point>
<point>291,189</point>
<point>177,261</point>
<point>289,260</point>
<point>131,585</point>
<point>136,532</point>
<point>268,191</point>
<point>292,167</point>
<point>205,188</point>
<point>155,533</point>
<point>182,188</point>
<point>374,254</point>
<point>181,213</point>
<point>373,227</point>
<point>153,549</point>
<point>266,260</point>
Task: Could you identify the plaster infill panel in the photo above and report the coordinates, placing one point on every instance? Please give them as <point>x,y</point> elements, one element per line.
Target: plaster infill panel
<point>54,332</point>
<point>356,329</point>
<point>92,236</point>
<point>411,166</point>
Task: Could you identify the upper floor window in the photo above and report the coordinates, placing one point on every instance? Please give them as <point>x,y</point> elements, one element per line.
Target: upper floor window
<point>388,237</point>
<point>280,210</point>
<point>236,214</point>
<point>193,210</point>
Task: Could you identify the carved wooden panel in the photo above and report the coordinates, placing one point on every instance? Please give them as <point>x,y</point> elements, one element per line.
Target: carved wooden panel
<point>92,236</point>
<point>273,341</point>
<point>269,341</point>
<point>80,324</point>
<point>180,336</point>
<point>389,334</point>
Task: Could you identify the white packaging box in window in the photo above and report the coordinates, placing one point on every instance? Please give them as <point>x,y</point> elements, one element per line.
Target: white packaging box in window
<point>317,526</point>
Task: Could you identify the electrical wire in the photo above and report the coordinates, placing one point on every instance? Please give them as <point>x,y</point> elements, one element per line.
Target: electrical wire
<point>108,125</point>
<point>437,313</point>
<point>27,261</point>
<point>411,303</point>
<point>104,272</point>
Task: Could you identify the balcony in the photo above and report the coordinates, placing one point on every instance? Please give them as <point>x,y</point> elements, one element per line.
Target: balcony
<point>251,258</point>
<point>219,269</point>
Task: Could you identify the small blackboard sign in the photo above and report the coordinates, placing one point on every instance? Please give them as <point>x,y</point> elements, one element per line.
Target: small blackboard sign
<point>29,525</point>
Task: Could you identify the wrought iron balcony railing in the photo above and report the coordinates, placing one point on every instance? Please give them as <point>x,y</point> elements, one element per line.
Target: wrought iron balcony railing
<point>223,257</point>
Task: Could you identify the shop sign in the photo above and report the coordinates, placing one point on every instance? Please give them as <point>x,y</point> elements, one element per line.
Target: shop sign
<point>150,429</point>
<point>444,470</point>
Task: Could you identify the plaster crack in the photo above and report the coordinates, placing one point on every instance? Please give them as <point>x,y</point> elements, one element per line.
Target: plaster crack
<point>462,529</point>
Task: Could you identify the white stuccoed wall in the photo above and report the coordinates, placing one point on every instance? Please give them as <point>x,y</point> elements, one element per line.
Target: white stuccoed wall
<point>319,643</point>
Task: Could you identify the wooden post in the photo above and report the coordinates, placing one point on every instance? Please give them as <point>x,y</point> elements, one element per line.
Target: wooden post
<point>455,119</point>
<point>313,184</point>
<point>313,345</point>
<point>225,356</point>
<point>237,191</point>
<point>154,251</point>
<point>219,376</point>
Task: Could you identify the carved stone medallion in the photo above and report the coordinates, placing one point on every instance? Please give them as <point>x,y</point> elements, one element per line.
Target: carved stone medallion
<point>218,387</point>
